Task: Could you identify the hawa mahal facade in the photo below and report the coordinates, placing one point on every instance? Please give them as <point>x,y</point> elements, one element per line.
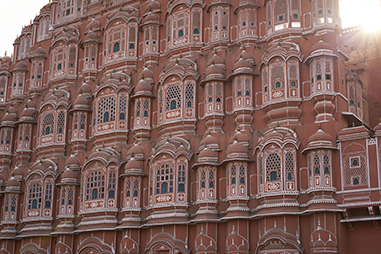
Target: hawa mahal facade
<point>190,126</point>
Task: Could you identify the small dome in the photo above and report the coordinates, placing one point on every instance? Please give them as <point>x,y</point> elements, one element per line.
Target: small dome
<point>320,135</point>
<point>246,56</point>
<point>210,142</point>
<point>242,64</point>
<point>143,87</point>
<point>39,52</point>
<point>133,165</point>
<point>17,172</point>
<point>81,102</point>
<point>31,104</point>
<point>152,6</point>
<point>13,111</point>
<point>136,151</point>
<point>91,36</point>
<point>214,71</point>
<point>207,154</point>
<point>26,114</point>
<point>151,18</point>
<point>216,60</point>
<point>236,148</point>
<point>20,66</point>
<point>13,183</point>
<point>69,174</point>
<point>72,160</point>
<point>147,74</point>
<point>239,136</point>
<point>321,45</point>
<point>94,25</point>
<point>8,118</point>
<point>85,88</point>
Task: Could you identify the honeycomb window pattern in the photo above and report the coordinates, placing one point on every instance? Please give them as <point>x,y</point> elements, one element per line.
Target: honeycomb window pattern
<point>289,166</point>
<point>47,124</point>
<point>273,164</point>
<point>107,104</point>
<point>173,93</point>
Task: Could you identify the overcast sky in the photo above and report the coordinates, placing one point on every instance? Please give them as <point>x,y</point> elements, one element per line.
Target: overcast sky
<point>17,13</point>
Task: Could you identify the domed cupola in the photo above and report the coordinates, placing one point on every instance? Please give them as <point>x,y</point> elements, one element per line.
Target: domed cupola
<point>216,60</point>
<point>20,66</point>
<point>321,48</point>
<point>210,142</point>
<point>8,119</point>
<point>151,18</point>
<point>246,56</point>
<point>38,53</point>
<point>26,115</point>
<point>85,89</point>
<point>242,66</point>
<point>214,72</point>
<point>12,184</point>
<point>143,88</point>
<point>91,37</point>
<point>237,151</point>
<point>94,25</point>
<point>207,156</point>
<point>147,74</point>
<point>240,137</point>
<point>69,177</point>
<point>81,103</point>
<point>133,167</point>
<point>72,162</point>
<point>17,173</point>
<point>31,105</point>
<point>136,151</point>
<point>13,111</point>
<point>319,140</point>
<point>153,6</point>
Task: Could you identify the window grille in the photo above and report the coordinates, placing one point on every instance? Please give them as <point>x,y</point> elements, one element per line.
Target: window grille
<point>173,94</point>
<point>289,166</point>
<point>35,196</point>
<point>47,124</point>
<point>95,185</point>
<point>273,164</point>
<point>48,195</point>
<point>164,179</point>
<point>189,95</point>
<point>111,184</point>
<point>106,105</point>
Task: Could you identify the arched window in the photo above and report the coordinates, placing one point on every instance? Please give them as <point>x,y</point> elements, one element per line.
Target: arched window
<point>210,99</point>
<point>61,122</point>
<point>289,165</point>
<point>242,174</point>
<point>145,113</point>
<point>318,77</point>
<point>196,31</point>
<point>326,164</point>
<point>247,93</point>
<point>278,84</point>
<point>273,167</point>
<point>59,66</point>
<point>136,188</point>
<point>131,46</point>
<point>181,33</point>
<point>13,204</point>
<point>116,47</point>
<point>273,176</point>
<point>356,181</point>
<point>48,195</point>
<point>181,178</point>
<point>164,179</point>
<point>82,126</point>
<point>106,117</point>
<point>111,184</point>
<point>35,196</point>
<point>211,178</point>
<point>70,197</point>
<point>317,165</point>
<point>351,102</point>
<point>328,77</point>
<point>233,174</point>
<point>95,185</point>
<point>47,124</point>
<point>128,188</point>
<point>173,104</point>
<point>239,93</point>
<point>122,116</point>
<point>63,196</point>
<point>173,94</point>
<point>293,84</point>
<point>106,105</point>
<point>355,163</point>
<point>203,179</point>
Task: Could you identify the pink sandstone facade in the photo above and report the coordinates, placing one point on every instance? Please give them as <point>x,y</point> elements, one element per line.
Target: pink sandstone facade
<point>190,126</point>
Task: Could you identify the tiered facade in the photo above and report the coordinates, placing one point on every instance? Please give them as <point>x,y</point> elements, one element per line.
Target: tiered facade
<point>179,126</point>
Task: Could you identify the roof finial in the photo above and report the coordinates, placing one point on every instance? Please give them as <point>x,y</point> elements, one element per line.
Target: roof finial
<point>235,137</point>
<point>209,130</point>
<point>181,55</point>
<point>136,140</point>
<point>238,128</point>
<point>274,126</point>
<point>319,36</point>
<point>353,124</point>
<point>5,54</point>
<point>319,126</point>
<point>132,154</point>
<point>103,144</point>
<point>215,50</point>
<point>72,150</point>
<point>345,126</point>
<point>277,124</point>
<point>243,46</point>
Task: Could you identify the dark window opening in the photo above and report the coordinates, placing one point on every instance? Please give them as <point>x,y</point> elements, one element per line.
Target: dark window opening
<point>273,176</point>
<point>181,33</point>
<point>317,171</point>
<point>111,194</point>
<point>116,47</point>
<point>356,181</point>
<point>48,204</point>
<point>106,117</point>
<point>196,31</point>
<point>355,162</point>
<point>122,116</point>
<point>318,77</point>
<point>181,187</point>
<point>173,104</point>
<point>59,67</point>
<point>145,113</point>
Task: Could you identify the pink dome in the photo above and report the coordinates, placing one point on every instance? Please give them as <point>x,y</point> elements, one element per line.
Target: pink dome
<point>320,135</point>
<point>321,45</point>
<point>216,60</point>
<point>39,52</point>
<point>143,86</point>
<point>152,6</point>
<point>69,174</point>
<point>242,64</point>
<point>20,66</point>
<point>12,182</point>
<point>91,36</point>
<point>133,165</point>
<point>8,118</point>
<point>151,18</point>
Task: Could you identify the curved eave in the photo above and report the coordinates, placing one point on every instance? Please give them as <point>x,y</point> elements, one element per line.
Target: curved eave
<point>203,82</point>
<point>26,121</point>
<point>343,55</point>
<point>80,109</point>
<point>151,23</point>
<point>68,184</point>
<point>318,147</point>
<point>91,41</point>
<point>133,174</point>
<point>236,159</point>
<point>248,5</point>
<point>205,163</point>
<point>37,57</point>
<point>231,76</point>
<point>217,4</point>
<point>11,191</point>
<point>7,125</point>
<point>142,95</point>
<point>323,53</point>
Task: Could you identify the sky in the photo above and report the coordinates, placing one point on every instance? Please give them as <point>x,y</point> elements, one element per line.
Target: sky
<point>17,13</point>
